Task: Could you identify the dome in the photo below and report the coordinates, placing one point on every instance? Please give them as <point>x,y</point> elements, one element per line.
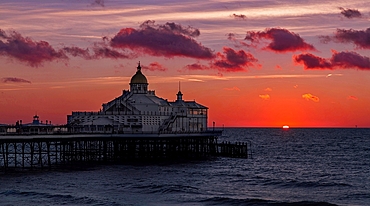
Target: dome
<point>139,77</point>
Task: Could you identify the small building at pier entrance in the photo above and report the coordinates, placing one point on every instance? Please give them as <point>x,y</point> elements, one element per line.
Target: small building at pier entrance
<point>139,110</point>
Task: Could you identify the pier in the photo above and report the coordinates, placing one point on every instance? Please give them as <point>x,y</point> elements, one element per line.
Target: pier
<point>51,151</point>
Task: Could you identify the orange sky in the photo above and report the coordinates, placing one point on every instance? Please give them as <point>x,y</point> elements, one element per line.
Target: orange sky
<point>253,65</point>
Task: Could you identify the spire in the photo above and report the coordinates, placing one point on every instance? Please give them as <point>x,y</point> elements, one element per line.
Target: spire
<point>138,67</point>
<point>179,94</point>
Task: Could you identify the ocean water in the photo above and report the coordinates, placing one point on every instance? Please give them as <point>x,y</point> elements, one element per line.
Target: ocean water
<point>288,167</point>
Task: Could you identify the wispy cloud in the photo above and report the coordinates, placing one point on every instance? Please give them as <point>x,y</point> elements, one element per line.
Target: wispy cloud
<point>232,89</point>
<point>98,2</point>
<point>155,66</point>
<point>350,13</point>
<point>278,67</point>
<point>196,66</point>
<point>237,42</point>
<point>352,98</point>
<point>14,80</point>
<point>239,16</point>
<point>268,89</point>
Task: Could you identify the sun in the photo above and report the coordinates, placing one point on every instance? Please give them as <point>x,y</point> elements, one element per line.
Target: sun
<point>286,127</point>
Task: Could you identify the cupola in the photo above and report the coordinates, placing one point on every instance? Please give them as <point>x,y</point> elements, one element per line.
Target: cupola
<point>138,83</point>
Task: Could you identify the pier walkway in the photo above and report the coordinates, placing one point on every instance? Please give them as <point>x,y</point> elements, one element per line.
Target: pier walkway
<point>48,151</point>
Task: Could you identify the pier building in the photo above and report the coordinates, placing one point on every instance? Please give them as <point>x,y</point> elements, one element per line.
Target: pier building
<point>137,126</point>
<point>139,110</point>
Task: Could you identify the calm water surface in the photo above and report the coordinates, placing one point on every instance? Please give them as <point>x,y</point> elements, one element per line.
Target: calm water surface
<point>288,167</point>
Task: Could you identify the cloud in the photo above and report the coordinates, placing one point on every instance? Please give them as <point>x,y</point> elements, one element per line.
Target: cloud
<point>350,13</point>
<point>228,61</point>
<point>98,52</point>
<point>14,80</point>
<point>264,96</point>
<point>196,66</point>
<point>106,52</point>
<point>24,49</point>
<point>268,89</point>
<point>174,28</point>
<point>309,96</point>
<point>98,2</point>
<point>358,37</point>
<point>278,67</point>
<point>35,53</point>
<point>77,52</point>
<point>282,40</point>
<point>154,66</point>
<point>232,89</point>
<point>232,60</point>
<point>167,40</point>
<point>311,61</point>
<point>352,97</point>
<point>237,43</point>
<point>239,16</point>
<point>349,60</point>
<point>339,60</point>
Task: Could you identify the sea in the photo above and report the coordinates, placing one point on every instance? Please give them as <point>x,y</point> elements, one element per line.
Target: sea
<point>308,166</point>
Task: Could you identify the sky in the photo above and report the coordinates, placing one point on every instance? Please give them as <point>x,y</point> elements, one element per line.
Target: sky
<point>269,63</point>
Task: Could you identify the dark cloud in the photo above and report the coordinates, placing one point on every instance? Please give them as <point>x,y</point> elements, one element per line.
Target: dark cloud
<point>239,16</point>
<point>155,66</point>
<point>98,2</point>
<point>24,49</point>
<point>98,52</point>
<point>282,40</point>
<point>311,61</point>
<point>228,61</point>
<point>15,80</point>
<point>106,52</point>
<point>350,60</point>
<point>361,38</point>
<point>77,52</point>
<point>171,27</point>
<point>167,40</point>
<point>232,60</point>
<point>196,66</point>
<point>350,13</point>
<point>2,34</point>
<point>339,60</point>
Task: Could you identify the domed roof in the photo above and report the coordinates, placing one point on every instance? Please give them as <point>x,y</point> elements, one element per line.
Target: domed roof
<point>139,77</point>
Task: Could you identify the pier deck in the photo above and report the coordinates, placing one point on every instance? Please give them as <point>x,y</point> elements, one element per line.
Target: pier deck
<point>48,151</point>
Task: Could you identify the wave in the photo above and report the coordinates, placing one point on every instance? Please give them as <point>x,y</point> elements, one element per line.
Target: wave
<point>304,184</point>
<point>256,202</point>
<point>168,189</point>
<point>39,198</point>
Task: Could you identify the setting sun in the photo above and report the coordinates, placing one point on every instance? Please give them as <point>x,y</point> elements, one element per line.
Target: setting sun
<point>285,127</point>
